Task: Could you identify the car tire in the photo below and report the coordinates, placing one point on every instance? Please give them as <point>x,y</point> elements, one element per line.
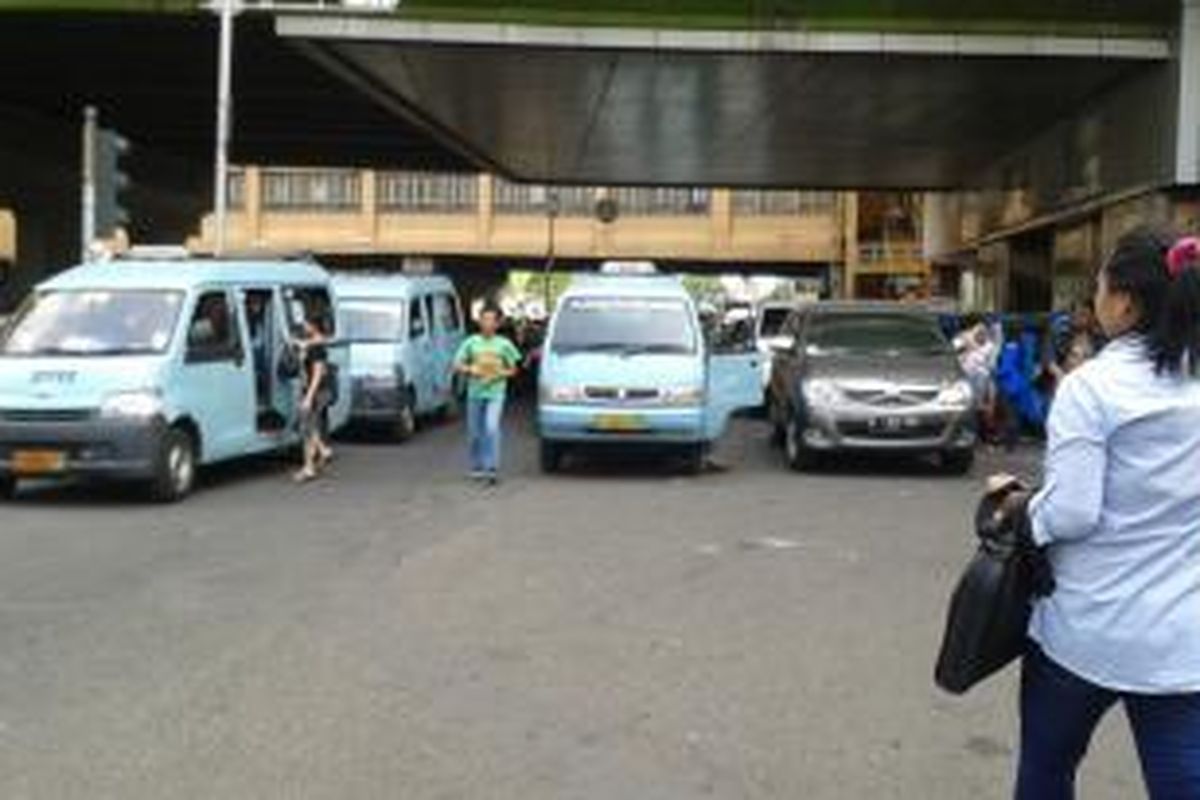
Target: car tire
<point>405,424</point>
<point>551,457</point>
<point>800,458</point>
<point>958,462</point>
<point>175,467</point>
<point>8,487</point>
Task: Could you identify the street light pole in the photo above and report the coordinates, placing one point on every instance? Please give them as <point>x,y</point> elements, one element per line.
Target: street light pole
<point>552,210</point>
<point>87,226</point>
<point>224,104</point>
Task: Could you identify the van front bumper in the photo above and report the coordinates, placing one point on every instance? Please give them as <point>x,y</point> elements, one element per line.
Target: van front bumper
<point>633,425</point>
<point>109,449</point>
<point>374,401</point>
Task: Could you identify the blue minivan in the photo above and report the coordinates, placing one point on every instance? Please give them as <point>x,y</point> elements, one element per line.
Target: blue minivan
<point>626,363</point>
<point>403,332</point>
<point>143,370</point>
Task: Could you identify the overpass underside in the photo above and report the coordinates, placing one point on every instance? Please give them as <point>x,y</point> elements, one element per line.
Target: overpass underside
<point>787,109</point>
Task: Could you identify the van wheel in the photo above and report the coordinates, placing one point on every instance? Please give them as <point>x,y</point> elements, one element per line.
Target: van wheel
<point>799,457</point>
<point>551,457</point>
<point>406,419</point>
<point>8,487</point>
<point>175,467</point>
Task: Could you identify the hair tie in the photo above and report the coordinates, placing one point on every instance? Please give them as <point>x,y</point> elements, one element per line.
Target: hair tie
<point>1184,254</point>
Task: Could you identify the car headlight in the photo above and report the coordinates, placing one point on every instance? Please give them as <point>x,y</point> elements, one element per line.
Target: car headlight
<point>822,393</point>
<point>683,396</point>
<point>562,394</point>
<point>956,395</point>
<point>137,405</point>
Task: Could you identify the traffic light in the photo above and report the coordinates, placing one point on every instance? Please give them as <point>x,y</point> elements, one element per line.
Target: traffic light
<point>111,182</point>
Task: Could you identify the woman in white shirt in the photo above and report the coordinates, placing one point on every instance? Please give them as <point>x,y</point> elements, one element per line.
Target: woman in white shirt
<point>1119,518</point>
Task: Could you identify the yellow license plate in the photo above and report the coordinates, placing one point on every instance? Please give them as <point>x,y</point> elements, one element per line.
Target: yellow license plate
<point>619,423</point>
<point>38,462</point>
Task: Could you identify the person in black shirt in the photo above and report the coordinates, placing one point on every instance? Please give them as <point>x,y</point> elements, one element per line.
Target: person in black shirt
<point>314,401</point>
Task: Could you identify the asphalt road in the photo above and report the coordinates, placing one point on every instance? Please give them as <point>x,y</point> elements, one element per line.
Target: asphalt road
<point>395,632</point>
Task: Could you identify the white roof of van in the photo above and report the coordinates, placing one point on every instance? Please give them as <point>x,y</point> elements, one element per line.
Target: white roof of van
<point>183,274</point>
<point>592,285</point>
<point>348,284</point>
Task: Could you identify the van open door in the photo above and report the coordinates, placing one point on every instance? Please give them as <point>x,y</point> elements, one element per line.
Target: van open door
<point>734,383</point>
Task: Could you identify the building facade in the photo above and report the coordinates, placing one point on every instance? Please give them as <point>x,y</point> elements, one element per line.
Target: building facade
<point>859,244</point>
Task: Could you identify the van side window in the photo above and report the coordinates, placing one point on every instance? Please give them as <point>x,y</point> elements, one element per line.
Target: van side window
<point>447,313</point>
<point>417,327</point>
<point>213,332</point>
<point>305,302</point>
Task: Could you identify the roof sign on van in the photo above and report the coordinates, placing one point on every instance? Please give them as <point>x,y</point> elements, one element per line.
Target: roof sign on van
<point>623,304</point>
<point>628,268</point>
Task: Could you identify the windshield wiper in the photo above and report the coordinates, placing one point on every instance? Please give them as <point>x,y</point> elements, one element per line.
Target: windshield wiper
<point>100,351</point>
<point>643,349</point>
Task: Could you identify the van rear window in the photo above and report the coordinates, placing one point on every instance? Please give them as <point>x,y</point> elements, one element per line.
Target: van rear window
<point>371,320</point>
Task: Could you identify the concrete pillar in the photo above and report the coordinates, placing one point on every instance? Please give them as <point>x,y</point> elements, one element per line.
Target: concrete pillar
<point>47,242</point>
<point>1187,145</point>
<point>369,206</point>
<point>252,197</point>
<point>485,211</point>
<point>941,225</point>
<point>721,217</point>
<point>849,244</point>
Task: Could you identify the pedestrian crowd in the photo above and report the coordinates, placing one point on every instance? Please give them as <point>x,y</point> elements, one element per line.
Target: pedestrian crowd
<point>1015,364</point>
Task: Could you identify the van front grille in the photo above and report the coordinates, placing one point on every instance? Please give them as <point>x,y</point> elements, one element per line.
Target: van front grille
<point>29,415</point>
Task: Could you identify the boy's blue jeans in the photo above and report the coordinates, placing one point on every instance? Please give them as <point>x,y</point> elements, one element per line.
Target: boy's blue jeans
<point>483,433</point>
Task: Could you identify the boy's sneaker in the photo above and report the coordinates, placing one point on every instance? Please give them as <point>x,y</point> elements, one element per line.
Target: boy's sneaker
<point>477,475</point>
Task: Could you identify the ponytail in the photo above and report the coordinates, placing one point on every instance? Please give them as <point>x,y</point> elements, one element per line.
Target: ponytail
<point>1163,278</point>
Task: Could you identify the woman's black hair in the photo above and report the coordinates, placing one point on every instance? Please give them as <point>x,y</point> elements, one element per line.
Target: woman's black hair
<point>1169,305</point>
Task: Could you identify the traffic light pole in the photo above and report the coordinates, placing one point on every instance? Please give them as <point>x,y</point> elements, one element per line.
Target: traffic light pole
<point>87,225</point>
<point>224,103</point>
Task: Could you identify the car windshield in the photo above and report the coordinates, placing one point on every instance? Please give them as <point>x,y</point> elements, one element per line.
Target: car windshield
<point>624,325</point>
<point>772,320</point>
<point>371,320</point>
<point>866,333</point>
<point>92,322</point>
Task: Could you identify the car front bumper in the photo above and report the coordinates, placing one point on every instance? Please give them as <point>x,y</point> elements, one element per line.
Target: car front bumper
<point>98,448</point>
<point>616,425</point>
<point>916,430</point>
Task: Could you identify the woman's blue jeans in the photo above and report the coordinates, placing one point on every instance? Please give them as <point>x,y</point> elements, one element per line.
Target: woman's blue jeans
<point>1060,711</point>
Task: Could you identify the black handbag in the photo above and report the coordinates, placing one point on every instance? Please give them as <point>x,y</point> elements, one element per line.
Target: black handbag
<point>988,619</point>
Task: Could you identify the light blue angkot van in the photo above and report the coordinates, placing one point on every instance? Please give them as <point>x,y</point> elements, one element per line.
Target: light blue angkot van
<point>626,364</point>
<point>403,332</point>
<point>143,370</point>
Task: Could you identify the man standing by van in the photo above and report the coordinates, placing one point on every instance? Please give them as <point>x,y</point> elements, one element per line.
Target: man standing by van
<point>489,361</point>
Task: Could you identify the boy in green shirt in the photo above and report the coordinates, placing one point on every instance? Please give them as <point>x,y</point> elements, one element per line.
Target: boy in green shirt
<point>489,361</point>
